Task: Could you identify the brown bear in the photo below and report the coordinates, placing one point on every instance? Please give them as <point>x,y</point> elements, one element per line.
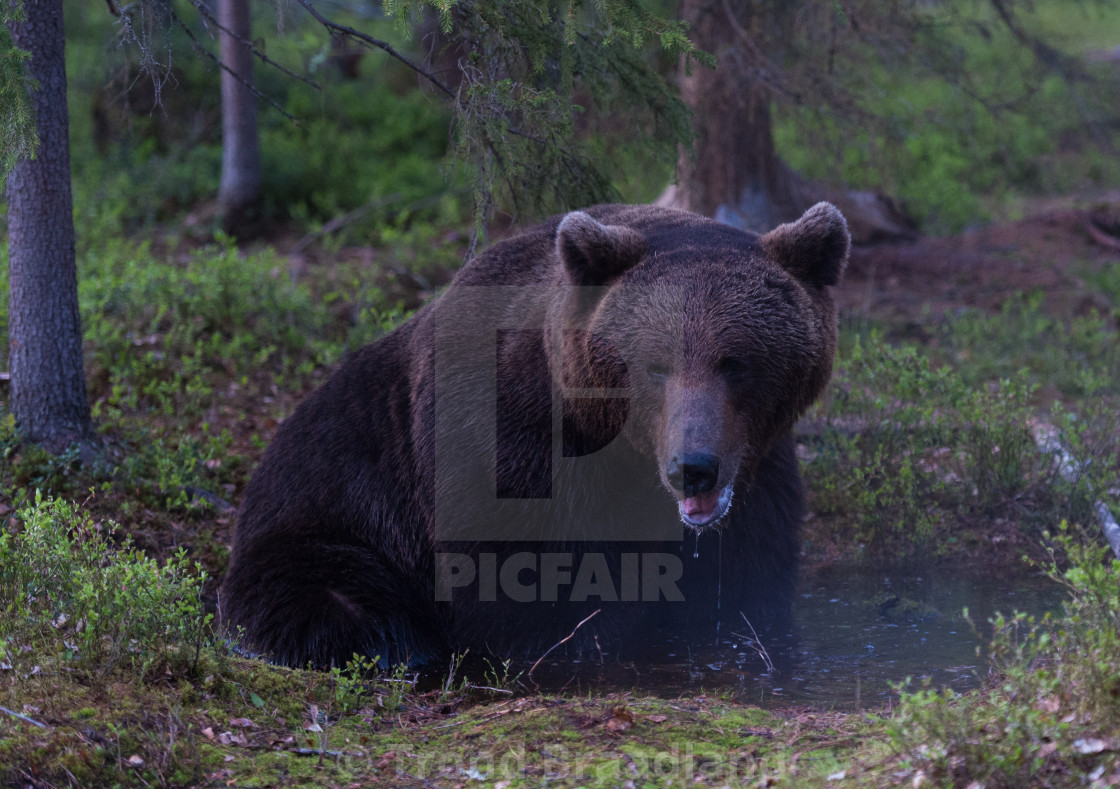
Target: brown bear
<point>595,416</point>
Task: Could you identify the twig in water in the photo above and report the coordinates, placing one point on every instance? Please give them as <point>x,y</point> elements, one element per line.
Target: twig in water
<point>561,641</point>
<point>23,718</point>
<point>456,662</point>
<point>756,644</point>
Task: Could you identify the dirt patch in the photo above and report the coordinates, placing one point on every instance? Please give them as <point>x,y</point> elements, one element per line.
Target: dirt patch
<point>980,269</point>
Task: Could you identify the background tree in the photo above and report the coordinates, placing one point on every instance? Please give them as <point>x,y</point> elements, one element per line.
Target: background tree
<point>241,161</point>
<point>734,173</point>
<point>828,62</point>
<point>533,77</point>
<point>48,393</point>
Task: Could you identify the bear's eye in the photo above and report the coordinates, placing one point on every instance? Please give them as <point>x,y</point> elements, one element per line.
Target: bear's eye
<point>734,369</point>
<point>658,372</point>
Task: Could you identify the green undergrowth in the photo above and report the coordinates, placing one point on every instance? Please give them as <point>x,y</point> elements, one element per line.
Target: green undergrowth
<point>192,359</point>
<point>1077,358</point>
<point>164,330</point>
<point>911,457</point>
<point>1004,426</point>
<point>78,593</point>
<point>165,335</point>
<point>1050,715</point>
<point>152,471</point>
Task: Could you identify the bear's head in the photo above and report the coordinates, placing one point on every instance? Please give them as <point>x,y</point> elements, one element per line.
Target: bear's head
<point>698,344</point>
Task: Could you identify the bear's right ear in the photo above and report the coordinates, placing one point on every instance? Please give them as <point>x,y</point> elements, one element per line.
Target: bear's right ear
<point>594,253</point>
<point>814,248</point>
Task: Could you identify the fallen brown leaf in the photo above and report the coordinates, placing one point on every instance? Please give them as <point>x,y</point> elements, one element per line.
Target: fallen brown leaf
<point>620,719</point>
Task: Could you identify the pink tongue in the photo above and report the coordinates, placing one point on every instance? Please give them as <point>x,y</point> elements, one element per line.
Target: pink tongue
<point>701,506</point>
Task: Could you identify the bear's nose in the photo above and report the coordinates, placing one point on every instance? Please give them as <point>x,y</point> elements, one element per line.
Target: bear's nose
<point>692,473</point>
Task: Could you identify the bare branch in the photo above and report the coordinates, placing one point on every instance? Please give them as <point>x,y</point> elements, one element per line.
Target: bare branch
<point>377,43</point>
<point>208,16</point>
<point>1044,52</point>
<point>24,718</point>
<point>561,641</point>
<point>1048,441</point>
<point>205,52</point>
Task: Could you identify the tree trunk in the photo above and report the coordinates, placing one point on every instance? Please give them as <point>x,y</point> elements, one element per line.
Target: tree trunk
<point>45,335</point>
<point>735,174</point>
<point>241,162</point>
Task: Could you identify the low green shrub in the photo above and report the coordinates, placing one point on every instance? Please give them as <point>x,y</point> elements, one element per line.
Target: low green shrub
<point>361,684</point>
<point>1106,281</point>
<point>28,466</point>
<point>168,336</point>
<point>907,449</point>
<point>912,456</point>
<point>167,475</point>
<point>1050,715</point>
<point>76,590</point>
<point>1023,335</point>
<point>359,145</point>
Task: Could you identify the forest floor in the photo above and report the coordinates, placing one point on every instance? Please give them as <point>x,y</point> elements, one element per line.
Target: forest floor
<point>982,268</point>
<point>229,721</point>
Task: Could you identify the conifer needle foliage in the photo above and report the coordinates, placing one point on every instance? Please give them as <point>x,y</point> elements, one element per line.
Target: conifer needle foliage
<point>18,126</point>
<point>538,79</point>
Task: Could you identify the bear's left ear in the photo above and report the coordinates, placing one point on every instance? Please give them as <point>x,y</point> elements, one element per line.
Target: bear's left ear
<point>814,248</point>
<point>594,253</point>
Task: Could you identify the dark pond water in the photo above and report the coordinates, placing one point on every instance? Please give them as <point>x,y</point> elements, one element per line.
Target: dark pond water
<point>857,632</point>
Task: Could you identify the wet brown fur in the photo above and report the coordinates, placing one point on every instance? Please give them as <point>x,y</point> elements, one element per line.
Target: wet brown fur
<point>335,542</point>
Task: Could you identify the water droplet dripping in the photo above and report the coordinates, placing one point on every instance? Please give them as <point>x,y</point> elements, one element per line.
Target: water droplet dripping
<point>719,569</point>
<point>696,550</point>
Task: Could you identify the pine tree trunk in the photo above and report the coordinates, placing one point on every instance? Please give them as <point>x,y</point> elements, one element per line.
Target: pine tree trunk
<point>735,174</point>
<point>45,336</point>
<point>241,162</point>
